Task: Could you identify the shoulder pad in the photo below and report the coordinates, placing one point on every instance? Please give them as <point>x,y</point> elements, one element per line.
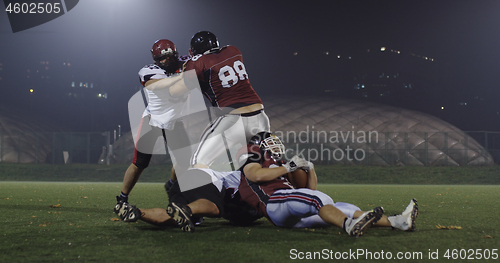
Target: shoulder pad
<point>151,71</point>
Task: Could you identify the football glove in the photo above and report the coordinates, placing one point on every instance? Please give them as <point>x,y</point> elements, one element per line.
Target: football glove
<point>295,163</point>
<point>309,167</point>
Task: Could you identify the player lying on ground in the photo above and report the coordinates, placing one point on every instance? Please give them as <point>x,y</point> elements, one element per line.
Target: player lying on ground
<point>264,186</point>
<point>215,199</point>
<point>354,220</point>
<point>238,213</point>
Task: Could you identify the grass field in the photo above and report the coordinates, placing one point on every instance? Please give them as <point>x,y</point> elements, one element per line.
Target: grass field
<point>81,227</point>
<point>328,174</point>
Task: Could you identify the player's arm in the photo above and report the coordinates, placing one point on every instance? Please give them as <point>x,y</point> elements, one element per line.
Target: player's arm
<point>178,85</point>
<point>164,83</point>
<point>176,88</point>
<point>257,174</point>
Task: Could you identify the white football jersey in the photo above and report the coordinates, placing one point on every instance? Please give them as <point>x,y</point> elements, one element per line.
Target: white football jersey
<point>163,109</point>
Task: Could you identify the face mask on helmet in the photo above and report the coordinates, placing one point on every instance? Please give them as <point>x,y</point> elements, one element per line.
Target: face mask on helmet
<point>168,63</point>
<point>274,146</point>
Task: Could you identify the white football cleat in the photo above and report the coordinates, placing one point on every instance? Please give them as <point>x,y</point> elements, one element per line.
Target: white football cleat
<point>406,220</point>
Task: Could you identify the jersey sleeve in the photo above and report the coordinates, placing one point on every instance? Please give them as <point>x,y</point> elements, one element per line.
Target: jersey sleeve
<point>193,64</point>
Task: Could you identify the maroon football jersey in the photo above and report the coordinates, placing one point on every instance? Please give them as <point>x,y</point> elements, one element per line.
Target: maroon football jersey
<point>257,195</point>
<point>223,78</point>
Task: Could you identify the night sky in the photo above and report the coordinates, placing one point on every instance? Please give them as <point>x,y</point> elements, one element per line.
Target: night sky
<point>108,41</point>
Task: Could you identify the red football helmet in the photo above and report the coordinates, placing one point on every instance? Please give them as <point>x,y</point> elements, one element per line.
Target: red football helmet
<point>269,144</point>
<point>165,55</point>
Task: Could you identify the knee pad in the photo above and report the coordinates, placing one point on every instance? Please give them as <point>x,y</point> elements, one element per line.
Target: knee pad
<point>141,160</point>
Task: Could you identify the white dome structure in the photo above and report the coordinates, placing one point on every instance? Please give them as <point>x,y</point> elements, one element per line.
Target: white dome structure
<point>355,132</point>
<point>341,131</point>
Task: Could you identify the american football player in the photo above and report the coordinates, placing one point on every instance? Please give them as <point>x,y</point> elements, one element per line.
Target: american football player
<point>162,117</point>
<point>224,81</point>
<point>216,199</point>
<point>264,186</point>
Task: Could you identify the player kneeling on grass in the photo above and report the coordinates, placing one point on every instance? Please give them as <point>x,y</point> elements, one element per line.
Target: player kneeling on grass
<point>217,198</point>
<point>266,188</point>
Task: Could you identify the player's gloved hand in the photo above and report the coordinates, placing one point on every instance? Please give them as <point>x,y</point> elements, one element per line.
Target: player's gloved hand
<point>295,163</point>
<point>309,167</point>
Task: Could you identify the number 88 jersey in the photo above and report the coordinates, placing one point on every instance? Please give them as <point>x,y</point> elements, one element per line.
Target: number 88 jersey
<point>223,78</point>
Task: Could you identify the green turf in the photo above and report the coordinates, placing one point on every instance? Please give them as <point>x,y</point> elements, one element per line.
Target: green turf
<point>82,228</point>
<point>334,174</point>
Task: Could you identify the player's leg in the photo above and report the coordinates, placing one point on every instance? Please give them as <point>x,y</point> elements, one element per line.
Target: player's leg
<point>295,207</point>
<point>157,217</point>
<point>316,221</point>
<point>183,214</point>
<point>132,175</point>
<point>404,221</point>
<point>225,132</point>
<point>357,221</point>
<point>332,215</point>
<point>204,207</point>
<point>214,142</point>
<point>353,226</point>
<point>287,208</point>
<point>154,216</point>
<point>206,200</point>
<point>142,156</point>
<point>179,146</point>
<point>256,124</point>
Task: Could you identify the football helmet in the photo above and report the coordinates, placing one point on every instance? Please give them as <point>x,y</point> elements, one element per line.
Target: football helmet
<point>165,55</point>
<point>269,143</point>
<point>202,42</point>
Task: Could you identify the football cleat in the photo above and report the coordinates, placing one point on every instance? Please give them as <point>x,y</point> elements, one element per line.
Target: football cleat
<point>406,220</point>
<point>357,227</point>
<point>182,215</point>
<point>119,203</point>
<point>129,213</point>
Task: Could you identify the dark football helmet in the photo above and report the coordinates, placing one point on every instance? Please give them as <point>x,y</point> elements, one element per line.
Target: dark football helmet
<point>165,55</point>
<point>269,143</point>
<point>202,42</point>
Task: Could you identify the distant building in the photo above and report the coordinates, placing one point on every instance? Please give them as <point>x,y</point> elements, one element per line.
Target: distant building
<point>58,89</point>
